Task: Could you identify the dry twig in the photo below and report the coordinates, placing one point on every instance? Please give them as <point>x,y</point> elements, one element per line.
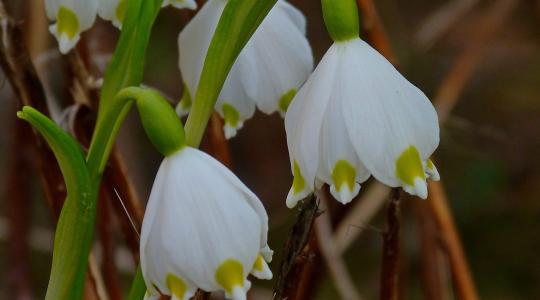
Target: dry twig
<point>391,250</point>
<point>331,255</point>
<point>297,252</point>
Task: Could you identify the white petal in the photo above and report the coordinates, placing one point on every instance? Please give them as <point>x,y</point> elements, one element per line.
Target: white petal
<point>431,171</point>
<point>234,94</point>
<point>79,15</point>
<point>284,59</point>
<point>261,270</point>
<point>338,159</point>
<point>304,119</point>
<point>194,40</point>
<point>190,4</point>
<point>196,228</point>
<point>385,114</point>
<point>112,11</point>
<point>294,14</point>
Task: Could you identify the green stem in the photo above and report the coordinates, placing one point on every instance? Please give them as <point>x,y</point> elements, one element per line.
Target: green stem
<point>238,22</point>
<point>138,287</point>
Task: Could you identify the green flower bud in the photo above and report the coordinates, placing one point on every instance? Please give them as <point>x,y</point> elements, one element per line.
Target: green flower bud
<point>341,18</point>
<point>159,119</point>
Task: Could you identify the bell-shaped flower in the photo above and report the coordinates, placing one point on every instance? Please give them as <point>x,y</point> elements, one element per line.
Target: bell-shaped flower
<point>274,63</point>
<point>357,116</point>
<point>203,229</point>
<point>71,17</point>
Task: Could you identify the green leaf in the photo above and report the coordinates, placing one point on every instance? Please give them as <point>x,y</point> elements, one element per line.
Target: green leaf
<point>76,224</point>
<point>237,24</point>
<point>138,287</point>
<point>125,69</point>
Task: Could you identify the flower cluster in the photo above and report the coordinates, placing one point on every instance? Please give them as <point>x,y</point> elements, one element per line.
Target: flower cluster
<point>72,17</point>
<point>272,66</point>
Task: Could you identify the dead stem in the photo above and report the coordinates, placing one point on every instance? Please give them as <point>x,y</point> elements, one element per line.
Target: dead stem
<point>296,252</point>
<point>337,267</point>
<point>390,287</point>
<point>440,22</point>
<point>360,215</point>
<point>461,273</point>
<point>105,226</point>
<point>432,262</point>
<point>19,70</point>
<point>19,208</point>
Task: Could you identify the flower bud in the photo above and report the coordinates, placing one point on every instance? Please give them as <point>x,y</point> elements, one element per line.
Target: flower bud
<point>341,18</point>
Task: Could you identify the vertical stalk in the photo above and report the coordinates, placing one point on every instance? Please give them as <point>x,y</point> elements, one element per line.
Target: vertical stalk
<point>391,250</point>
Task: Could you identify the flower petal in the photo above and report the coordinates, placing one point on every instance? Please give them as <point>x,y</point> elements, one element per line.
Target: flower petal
<point>194,40</point>
<point>284,59</point>
<point>303,122</point>
<point>189,4</point>
<point>385,116</point>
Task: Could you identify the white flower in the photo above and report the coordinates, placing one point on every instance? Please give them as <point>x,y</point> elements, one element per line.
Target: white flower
<point>71,18</point>
<point>203,228</point>
<point>357,116</point>
<point>273,65</point>
<point>115,10</point>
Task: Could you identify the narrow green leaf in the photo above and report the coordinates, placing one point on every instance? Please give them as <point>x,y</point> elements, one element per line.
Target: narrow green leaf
<point>138,287</point>
<point>238,22</point>
<point>76,224</point>
<point>125,69</point>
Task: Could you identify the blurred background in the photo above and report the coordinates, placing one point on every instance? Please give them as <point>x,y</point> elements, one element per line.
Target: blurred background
<point>479,61</point>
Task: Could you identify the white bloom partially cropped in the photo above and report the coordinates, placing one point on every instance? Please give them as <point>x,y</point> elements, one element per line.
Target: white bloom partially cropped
<point>71,17</point>
<point>357,116</point>
<point>203,228</point>
<point>115,10</point>
<point>273,65</point>
<point>190,4</point>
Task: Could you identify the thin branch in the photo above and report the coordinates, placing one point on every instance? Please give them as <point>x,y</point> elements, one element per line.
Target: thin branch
<point>296,252</point>
<point>360,215</point>
<point>391,250</point>
<point>440,22</point>
<point>461,273</point>
<point>453,84</point>
<point>433,263</point>
<point>329,251</point>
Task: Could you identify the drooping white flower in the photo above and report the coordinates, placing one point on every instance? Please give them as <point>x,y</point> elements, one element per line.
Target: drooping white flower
<point>71,17</point>
<point>115,10</point>
<point>272,66</point>
<point>203,228</point>
<point>357,116</point>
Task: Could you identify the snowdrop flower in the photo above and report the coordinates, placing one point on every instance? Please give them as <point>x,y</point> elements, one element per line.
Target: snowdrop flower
<point>115,10</point>
<point>71,18</point>
<point>357,116</point>
<point>273,65</point>
<point>203,228</point>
